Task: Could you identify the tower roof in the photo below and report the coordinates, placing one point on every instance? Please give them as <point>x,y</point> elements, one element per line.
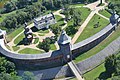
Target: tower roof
<point>116,16</point>
<point>64,38</point>
<point>2,32</point>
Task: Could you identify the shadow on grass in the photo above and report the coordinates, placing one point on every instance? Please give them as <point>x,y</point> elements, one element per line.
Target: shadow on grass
<point>104,76</point>
<point>21,42</point>
<point>61,19</point>
<point>34,29</point>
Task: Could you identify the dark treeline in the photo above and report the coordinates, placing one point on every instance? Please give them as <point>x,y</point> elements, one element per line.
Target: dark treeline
<point>49,4</point>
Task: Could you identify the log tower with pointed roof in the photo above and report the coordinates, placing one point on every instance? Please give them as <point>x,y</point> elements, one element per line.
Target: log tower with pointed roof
<point>65,46</point>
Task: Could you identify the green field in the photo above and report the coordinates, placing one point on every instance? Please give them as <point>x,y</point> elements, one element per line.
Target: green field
<point>60,20</point>
<point>105,13</point>
<point>99,47</point>
<point>52,47</point>
<point>14,33</point>
<point>90,30</point>
<point>36,41</point>
<point>30,51</point>
<point>95,73</point>
<point>15,48</point>
<point>76,5</point>
<point>19,38</point>
<point>43,31</point>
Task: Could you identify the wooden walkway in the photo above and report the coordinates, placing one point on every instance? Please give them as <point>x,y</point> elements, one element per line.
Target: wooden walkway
<point>75,70</point>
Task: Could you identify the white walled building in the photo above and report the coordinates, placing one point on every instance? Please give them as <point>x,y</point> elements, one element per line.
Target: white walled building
<point>44,21</point>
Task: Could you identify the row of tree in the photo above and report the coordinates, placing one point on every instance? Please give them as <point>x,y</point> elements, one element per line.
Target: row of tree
<point>18,4</point>
<point>49,4</point>
<point>8,71</point>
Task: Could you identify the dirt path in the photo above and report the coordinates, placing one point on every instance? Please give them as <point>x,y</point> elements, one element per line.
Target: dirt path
<point>102,16</point>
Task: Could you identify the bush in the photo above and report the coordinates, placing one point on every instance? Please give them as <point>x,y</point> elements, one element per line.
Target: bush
<point>44,45</point>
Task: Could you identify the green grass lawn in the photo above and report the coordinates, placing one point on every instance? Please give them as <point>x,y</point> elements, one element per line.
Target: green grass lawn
<point>93,74</point>
<point>52,47</point>
<point>34,35</point>
<point>30,51</point>
<point>15,48</point>
<point>19,38</point>
<point>75,5</point>
<point>42,34</point>
<point>14,33</point>
<point>60,20</point>
<point>99,47</point>
<point>43,31</point>
<point>90,30</point>
<point>105,13</point>
<point>73,79</point>
<point>7,47</point>
<point>36,41</point>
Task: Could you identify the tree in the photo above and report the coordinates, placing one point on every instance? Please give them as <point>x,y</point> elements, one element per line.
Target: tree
<point>57,3</point>
<point>71,11</point>
<point>76,18</point>
<point>71,30</point>
<point>66,12</point>
<point>117,66</point>
<point>21,17</point>
<point>110,64</point>
<point>6,66</point>
<point>56,29</point>
<point>44,45</point>
<point>115,5</point>
<point>9,6</point>
<point>10,21</point>
<point>115,78</point>
<point>5,76</point>
<point>28,76</point>
<point>7,70</point>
